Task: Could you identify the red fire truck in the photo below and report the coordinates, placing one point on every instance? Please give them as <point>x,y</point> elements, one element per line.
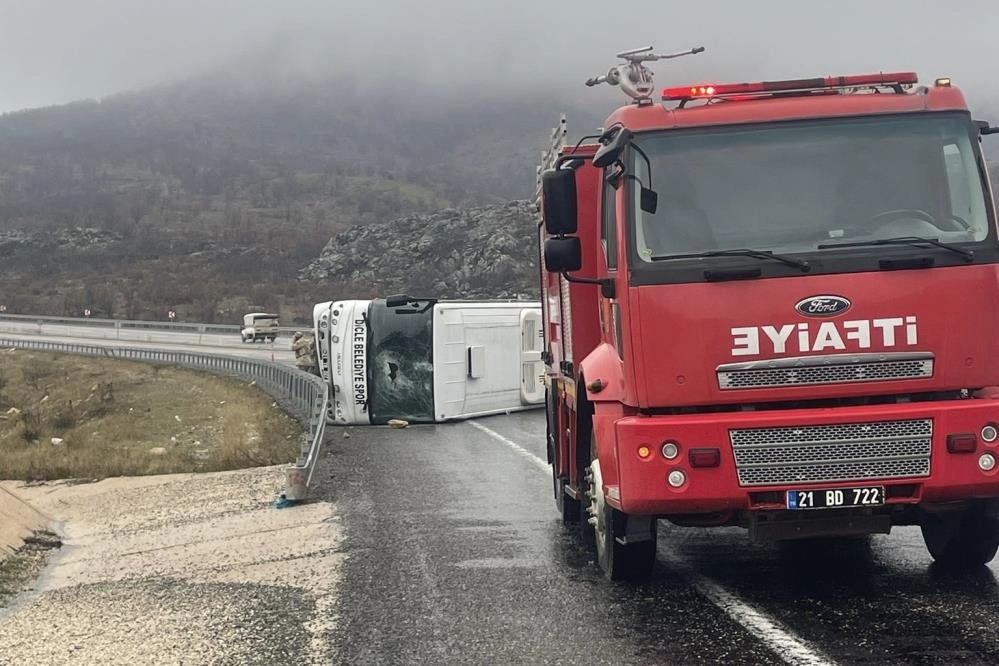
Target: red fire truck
<point>773,305</point>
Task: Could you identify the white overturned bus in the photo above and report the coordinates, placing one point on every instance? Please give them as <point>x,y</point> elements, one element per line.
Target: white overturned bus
<point>428,361</point>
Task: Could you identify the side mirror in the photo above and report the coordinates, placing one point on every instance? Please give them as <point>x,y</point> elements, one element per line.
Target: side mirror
<point>610,151</point>
<point>558,187</point>
<point>563,255</point>
<point>983,128</point>
<point>397,300</point>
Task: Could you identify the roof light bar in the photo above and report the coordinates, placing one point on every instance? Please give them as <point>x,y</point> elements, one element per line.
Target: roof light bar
<point>791,85</point>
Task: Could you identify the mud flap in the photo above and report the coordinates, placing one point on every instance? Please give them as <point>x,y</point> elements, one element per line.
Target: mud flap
<point>634,530</point>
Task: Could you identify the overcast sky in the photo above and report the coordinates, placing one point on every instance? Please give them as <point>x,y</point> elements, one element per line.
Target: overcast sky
<point>55,51</point>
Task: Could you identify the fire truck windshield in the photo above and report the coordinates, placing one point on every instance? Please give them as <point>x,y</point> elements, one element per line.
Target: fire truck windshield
<point>801,188</point>
<point>400,364</point>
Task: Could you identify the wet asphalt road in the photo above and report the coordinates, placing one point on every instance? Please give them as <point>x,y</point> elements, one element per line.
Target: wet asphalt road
<point>456,555</point>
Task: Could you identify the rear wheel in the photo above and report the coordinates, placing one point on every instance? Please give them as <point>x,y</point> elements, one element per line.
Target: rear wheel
<point>967,538</point>
<point>632,560</point>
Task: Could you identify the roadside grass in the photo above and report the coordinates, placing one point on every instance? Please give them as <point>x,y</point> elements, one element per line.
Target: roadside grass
<point>66,417</point>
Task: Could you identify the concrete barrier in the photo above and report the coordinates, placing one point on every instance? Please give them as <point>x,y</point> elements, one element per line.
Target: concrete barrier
<point>17,522</point>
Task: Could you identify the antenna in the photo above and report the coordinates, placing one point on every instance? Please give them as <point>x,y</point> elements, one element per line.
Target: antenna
<point>634,78</point>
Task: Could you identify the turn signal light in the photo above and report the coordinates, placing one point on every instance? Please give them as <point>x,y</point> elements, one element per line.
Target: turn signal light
<point>644,452</point>
<point>704,457</point>
<point>964,443</point>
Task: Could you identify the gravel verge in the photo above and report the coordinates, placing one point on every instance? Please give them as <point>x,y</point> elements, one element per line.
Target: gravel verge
<point>178,569</point>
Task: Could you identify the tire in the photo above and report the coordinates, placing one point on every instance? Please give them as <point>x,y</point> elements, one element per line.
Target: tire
<point>964,539</point>
<point>619,562</point>
<point>632,562</point>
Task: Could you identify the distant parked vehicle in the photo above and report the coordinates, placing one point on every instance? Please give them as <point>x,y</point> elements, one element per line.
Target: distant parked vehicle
<point>259,326</point>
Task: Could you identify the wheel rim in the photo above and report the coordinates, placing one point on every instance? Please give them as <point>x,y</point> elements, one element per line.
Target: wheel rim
<point>596,509</point>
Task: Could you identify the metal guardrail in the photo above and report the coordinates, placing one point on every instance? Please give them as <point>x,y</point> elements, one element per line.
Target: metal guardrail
<point>303,394</point>
<point>139,324</point>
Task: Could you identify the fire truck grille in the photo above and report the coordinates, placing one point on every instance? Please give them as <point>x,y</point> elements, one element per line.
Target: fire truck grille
<point>824,370</point>
<point>840,452</point>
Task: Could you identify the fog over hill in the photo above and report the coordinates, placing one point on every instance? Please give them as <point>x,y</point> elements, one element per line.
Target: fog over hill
<point>239,184</point>
<point>249,139</point>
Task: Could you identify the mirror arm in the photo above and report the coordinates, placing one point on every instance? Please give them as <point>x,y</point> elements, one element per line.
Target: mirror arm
<point>648,164</point>
<point>984,129</point>
<point>570,158</point>
<point>606,284</point>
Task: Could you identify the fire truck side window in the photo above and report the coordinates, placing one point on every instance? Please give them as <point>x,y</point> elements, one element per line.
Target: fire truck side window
<point>608,229</point>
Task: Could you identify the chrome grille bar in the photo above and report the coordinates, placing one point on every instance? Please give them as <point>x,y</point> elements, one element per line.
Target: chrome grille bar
<point>830,369</point>
<point>838,452</point>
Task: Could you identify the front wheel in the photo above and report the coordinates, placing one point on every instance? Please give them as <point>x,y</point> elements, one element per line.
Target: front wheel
<point>967,538</point>
<point>632,560</point>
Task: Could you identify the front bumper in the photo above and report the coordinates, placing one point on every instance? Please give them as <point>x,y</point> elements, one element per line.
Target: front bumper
<point>643,488</point>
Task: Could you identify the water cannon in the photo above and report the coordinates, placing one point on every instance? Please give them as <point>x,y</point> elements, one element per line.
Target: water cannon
<point>633,77</point>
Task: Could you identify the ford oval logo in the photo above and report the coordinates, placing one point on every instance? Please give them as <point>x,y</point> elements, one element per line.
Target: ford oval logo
<point>822,306</point>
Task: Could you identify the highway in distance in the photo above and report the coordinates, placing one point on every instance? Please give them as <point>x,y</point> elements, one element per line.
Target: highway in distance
<point>207,343</point>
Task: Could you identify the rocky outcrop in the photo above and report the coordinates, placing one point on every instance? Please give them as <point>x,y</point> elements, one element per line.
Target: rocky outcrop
<point>75,238</point>
<point>487,252</point>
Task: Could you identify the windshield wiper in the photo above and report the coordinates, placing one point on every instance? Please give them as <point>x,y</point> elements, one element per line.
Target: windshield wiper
<point>740,252</point>
<point>915,241</point>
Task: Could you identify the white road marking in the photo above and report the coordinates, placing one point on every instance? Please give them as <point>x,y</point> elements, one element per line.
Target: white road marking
<point>769,631</point>
<point>541,464</point>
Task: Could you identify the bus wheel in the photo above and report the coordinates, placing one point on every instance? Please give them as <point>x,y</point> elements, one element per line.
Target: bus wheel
<point>632,560</point>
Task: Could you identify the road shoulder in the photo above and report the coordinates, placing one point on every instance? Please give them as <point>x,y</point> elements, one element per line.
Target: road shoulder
<point>179,568</point>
